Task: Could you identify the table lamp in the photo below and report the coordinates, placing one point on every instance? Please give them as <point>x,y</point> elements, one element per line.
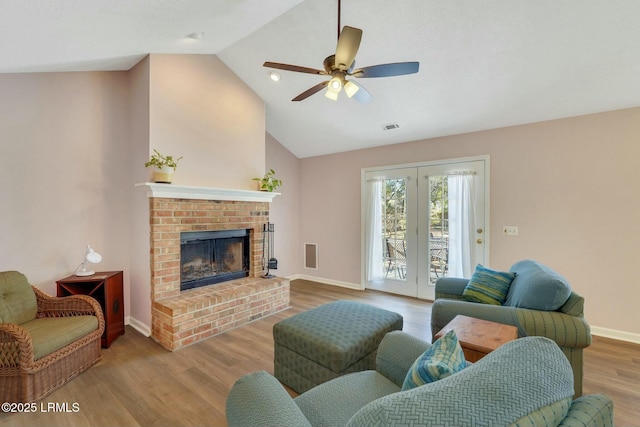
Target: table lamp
<point>90,256</point>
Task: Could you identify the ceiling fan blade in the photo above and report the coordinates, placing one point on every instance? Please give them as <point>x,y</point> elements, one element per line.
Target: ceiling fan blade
<point>387,70</point>
<point>362,95</point>
<point>348,44</point>
<point>307,93</point>
<point>295,68</point>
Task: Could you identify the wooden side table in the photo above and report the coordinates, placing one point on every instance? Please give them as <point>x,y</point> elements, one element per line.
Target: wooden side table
<point>106,288</point>
<point>479,337</point>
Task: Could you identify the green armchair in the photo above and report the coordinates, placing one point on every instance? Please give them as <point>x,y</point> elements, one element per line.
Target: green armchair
<point>44,341</point>
<point>526,382</point>
<point>566,325</point>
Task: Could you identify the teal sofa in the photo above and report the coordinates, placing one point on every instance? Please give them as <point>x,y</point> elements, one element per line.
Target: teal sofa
<point>527,382</point>
<point>559,318</point>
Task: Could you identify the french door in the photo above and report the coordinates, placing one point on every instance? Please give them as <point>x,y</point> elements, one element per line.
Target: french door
<point>422,222</point>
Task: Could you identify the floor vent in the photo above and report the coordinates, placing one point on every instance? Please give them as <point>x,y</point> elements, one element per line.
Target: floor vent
<point>311,256</point>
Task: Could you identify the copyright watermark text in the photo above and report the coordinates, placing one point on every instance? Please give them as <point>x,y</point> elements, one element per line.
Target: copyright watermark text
<point>69,407</point>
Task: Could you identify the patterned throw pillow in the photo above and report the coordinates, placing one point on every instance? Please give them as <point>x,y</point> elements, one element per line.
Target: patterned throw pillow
<point>443,358</point>
<point>488,286</point>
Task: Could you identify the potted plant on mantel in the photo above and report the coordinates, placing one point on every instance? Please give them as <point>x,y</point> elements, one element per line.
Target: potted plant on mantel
<point>165,167</point>
<point>268,182</point>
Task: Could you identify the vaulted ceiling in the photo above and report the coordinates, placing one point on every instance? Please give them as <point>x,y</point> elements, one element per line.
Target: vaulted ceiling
<point>483,65</point>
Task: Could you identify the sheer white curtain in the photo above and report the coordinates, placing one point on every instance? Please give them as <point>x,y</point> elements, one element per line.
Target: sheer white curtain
<point>374,230</point>
<point>462,248</point>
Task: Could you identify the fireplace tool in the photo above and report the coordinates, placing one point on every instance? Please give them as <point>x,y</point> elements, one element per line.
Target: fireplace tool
<point>267,241</point>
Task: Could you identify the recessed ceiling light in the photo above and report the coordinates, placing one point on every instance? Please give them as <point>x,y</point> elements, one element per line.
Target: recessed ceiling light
<point>195,36</point>
<point>275,76</point>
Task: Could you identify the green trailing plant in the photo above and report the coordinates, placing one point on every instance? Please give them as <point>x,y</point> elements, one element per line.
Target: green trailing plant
<point>269,182</point>
<point>158,160</point>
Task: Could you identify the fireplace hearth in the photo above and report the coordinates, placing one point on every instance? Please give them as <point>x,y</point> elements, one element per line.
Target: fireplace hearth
<point>209,257</point>
<point>180,318</point>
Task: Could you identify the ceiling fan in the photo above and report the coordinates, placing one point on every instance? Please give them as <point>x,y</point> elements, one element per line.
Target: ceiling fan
<point>341,65</point>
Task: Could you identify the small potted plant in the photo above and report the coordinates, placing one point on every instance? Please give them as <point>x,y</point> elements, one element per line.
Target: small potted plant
<point>268,182</point>
<point>165,167</point>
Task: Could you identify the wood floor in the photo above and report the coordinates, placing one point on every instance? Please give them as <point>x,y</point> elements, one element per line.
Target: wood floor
<point>138,383</point>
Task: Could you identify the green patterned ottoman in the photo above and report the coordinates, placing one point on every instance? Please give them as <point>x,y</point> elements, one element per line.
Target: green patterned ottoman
<point>328,341</point>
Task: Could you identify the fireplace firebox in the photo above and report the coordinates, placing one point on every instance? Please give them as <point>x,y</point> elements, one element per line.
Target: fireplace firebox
<point>209,257</point>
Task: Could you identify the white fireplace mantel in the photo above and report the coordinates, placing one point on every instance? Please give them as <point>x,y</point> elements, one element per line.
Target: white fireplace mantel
<point>172,191</point>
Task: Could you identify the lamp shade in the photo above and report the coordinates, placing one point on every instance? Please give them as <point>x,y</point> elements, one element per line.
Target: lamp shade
<point>335,84</point>
<point>90,256</point>
<point>331,95</point>
<point>350,88</point>
<point>93,256</point>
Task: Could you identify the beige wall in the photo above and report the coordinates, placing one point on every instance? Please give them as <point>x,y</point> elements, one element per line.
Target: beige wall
<point>284,210</point>
<point>202,111</point>
<point>571,186</point>
<point>139,238</point>
<point>64,182</point>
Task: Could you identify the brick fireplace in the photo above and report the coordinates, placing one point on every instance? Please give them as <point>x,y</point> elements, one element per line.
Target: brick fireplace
<point>180,318</point>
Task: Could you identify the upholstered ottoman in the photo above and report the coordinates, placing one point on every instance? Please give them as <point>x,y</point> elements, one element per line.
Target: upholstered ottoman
<point>328,341</point>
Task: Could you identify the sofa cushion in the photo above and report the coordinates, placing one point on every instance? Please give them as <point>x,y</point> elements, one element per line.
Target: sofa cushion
<point>445,357</point>
<point>333,403</point>
<point>252,399</point>
<point>51,334</point>
<point>17,300</point>
<point>520,377</point>
<point>537,287</point>
<point>488,286</point>
<point>397,352</point>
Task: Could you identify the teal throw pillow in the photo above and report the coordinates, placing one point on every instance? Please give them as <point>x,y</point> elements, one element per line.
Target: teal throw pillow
<point>488,286</point>
<point>443,358</point>
<point>537,287</point>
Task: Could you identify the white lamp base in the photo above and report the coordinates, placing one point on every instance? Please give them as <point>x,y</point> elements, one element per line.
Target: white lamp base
<point>84,273</point>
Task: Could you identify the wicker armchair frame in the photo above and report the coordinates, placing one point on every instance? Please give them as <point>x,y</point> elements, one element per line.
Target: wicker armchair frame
<point>25,379</point>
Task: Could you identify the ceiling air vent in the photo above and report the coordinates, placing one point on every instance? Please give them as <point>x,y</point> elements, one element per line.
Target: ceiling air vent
<point>390,126</point>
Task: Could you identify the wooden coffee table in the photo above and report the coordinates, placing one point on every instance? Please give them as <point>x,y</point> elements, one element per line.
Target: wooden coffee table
<point>479,337</point>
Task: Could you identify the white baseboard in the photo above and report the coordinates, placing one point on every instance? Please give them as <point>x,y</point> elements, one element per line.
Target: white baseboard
<point>615,334</point>
<point>138,326</point>
<point>356,286</point>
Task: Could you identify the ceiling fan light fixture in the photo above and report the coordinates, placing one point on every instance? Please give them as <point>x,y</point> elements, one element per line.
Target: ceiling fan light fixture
<point>335,84</point>
<point>333,88</point>
<point>332,95</point>
<point>350,88</point>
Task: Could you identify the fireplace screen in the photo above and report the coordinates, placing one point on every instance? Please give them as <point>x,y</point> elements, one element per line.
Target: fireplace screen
<point>210,257</point>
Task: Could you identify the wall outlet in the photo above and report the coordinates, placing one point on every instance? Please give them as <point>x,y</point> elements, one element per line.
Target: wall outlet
<point>509,230</point>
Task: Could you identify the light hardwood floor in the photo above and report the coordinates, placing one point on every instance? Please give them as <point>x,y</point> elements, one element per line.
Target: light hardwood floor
<point>138,383</point>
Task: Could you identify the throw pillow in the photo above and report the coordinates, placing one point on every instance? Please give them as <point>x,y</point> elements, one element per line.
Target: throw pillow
<point>488,286</point>
<point>537,287</point>
<point>443,358</point>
